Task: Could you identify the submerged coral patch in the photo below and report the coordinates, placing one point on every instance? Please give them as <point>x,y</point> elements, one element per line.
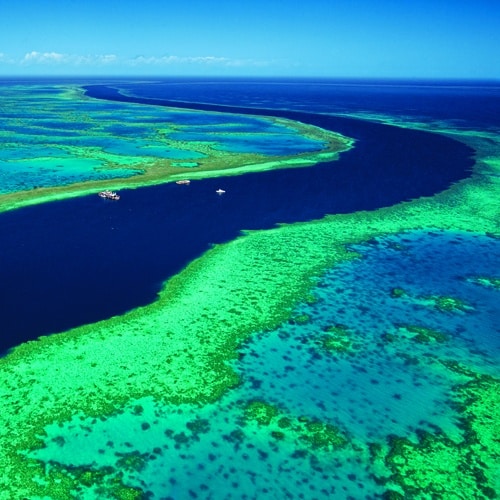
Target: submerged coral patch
<point>185,164</point>
<point>300,430</point>
<point>447,304</point>
<point>337,339</point>
<point>422,334</point>
<point>441,466</point>
<point>487,281</point>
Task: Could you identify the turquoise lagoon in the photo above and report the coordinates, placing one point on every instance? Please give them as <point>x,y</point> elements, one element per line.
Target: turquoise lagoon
<point>379,381</point>
<point>54,136</point>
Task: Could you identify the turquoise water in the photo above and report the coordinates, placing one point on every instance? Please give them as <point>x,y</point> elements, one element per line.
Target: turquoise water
<point>53,171</point>
<point>184,164</point>
<point>373,388</point>
<point>185,451</point>
<point>259,143</point>
<point>53,137</point>
<point>380,387</point>
<point>240,128</point>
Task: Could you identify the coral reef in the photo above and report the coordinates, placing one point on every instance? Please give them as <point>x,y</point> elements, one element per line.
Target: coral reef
<point>439,467</point>
<point>422,334</point>
<point>304,432</point>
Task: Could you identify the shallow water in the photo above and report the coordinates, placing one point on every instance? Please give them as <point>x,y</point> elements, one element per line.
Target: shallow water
<point>70,139</point>
<point>371,390</point>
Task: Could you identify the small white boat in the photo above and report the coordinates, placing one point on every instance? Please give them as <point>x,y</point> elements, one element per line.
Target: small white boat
<point>220,191</point>
<point>183,181</point>
<point>109,195</point>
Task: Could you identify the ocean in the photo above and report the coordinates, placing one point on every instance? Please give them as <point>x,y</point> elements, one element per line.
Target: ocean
<point>59,261</point>
<point>380,377</point>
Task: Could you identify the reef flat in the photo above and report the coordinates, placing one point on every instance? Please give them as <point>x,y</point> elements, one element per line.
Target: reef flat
<point>167,372</point>
<point>72,145</point>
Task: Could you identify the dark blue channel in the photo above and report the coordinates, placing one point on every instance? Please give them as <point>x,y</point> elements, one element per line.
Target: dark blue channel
<point>77,261</point>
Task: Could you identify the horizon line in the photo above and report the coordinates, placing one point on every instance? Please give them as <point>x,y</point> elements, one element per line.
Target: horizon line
<point>258,77</point>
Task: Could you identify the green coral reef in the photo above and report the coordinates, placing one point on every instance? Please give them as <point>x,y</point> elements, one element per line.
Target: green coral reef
<point>68,147</point>
<point>437,466</point>
<point>422,334</point>
<point>189,338</point>
<point>440,303</point>
<point>336,339</point>
<point>448,304</point>
<point>302,431</point>
<point>487,281</point>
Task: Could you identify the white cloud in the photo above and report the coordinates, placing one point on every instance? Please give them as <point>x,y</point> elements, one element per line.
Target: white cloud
<point>42,58</point>
<point>198,60</point>
<point>35,57</point>
<point>4,58</point>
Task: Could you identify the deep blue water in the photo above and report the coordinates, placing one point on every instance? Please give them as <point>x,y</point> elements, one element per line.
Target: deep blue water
<point>74,262</point>
<point>465,103</point>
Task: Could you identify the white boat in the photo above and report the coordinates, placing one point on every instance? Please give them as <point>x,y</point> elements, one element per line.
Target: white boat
<point>183,181</point>
<point>220,191</point>
<point>109,195</point>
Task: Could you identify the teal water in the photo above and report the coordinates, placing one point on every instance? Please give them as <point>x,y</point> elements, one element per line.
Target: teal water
<point>185,164</point>
<point>53,171</point>
<point>381,386</point>
<point>240,128</point>
<point>382,382</point>
<point>52,136</point>
<point>183,451</point>
<point>272,143</point>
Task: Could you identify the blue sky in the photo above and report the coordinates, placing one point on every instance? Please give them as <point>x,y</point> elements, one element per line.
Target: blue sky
<point>313,38</point>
